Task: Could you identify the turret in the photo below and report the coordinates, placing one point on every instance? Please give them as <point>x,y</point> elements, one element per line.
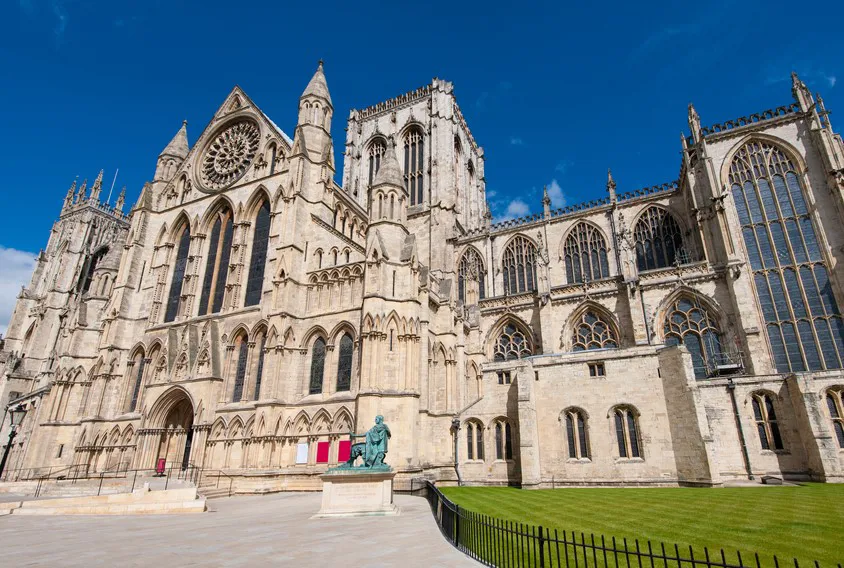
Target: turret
<point>173,155</point>
<point>388,205</point>
<point>313,130</point>
<point>611,186</point>
<point>68,199</point>
<point>121,200</point>
<point>801,93</point>
<point>97,187</point>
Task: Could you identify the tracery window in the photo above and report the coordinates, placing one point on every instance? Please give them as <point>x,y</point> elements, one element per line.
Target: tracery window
<point>376,152</point>
<point>242,348</point>
<point>592,332</point>
<point>585,254</point>
<point>512,344</point>
<point>140,363</point>
<point>474,441</point>
<point>317,366</point>
<point>519,264</point>
<point>627,432</point>
<point>414,165</point>
<point>503,441</point>
<point>179,267</point>
<point>766,421</point>
<point>471,277</point>
<point>803,323</point>
<point>344,363</point>
<point>659,241</point>
<point>90,267</point>
<point>576,434</point>
<point>835,404</point>
<point>217,265</point>
<point>689,323</point>
<point>259,371</point>
<point>258,262</point>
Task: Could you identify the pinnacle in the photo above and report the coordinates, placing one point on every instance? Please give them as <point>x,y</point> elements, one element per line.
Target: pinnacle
<point>389,172</point>
<point>178,146</point>
<point>317,86</point>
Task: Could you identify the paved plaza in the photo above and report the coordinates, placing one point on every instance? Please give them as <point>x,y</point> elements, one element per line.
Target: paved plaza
<point>252,531</point>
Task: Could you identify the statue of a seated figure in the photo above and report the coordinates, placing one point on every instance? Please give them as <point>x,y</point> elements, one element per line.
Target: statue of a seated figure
<point>373,450</point>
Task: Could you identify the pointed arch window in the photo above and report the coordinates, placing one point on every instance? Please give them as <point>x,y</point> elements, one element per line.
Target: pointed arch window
<point>317,366</point>
<point>474,440</point>
<point>835,404</point>
<point>90,267</point>
<point>659,241</point>
<point>503,440</point>
<point>259,371</point>
<point>512,344</point>
<point>593,332</point>
<point>344,363</point>
<point>241,347</point>
<point>471,277</point>
<point>174,298</point>
<point>576,434</point>
<point>138,367</point>
<point>519,264</point>
<point>689,323</point>
<point>376,152</point>
<point>414,165</point>
<point>627,432</point>
<point>217,265</point>
<point>258,262</point>
<point>585,254</point>
<point>803,322</point>
<point>766,421</point>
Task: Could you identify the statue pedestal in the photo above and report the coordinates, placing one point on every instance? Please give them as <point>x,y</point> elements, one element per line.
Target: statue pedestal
<point>357,493</point>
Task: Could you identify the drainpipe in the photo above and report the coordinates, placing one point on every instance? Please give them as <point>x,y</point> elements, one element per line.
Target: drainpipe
<point>731,388</point>
<point>455,427</point>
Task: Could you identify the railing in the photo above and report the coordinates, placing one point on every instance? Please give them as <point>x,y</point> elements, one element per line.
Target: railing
<point>495,542</point>
<point>218,474</point>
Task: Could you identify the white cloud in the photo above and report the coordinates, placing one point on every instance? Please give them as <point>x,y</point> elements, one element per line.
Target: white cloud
<point>515,209</point>
<point>16,268</point>
<point>516,141</point>
<point>831,79</point>
<point>555,192</point>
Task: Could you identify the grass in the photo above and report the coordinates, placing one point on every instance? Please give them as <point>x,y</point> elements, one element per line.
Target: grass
<point>804,522</point>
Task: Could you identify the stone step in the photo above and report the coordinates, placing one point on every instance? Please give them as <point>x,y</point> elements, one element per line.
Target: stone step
<point>9,506</point>
<point>214,492</point>
<point>194,506</point>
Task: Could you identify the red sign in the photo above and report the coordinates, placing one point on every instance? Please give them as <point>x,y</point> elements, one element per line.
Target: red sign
<point>344,450</point>
<point>322,452</point>
<point>159,466</point>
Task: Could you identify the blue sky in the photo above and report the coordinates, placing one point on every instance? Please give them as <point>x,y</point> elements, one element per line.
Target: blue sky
<point>554,93</point>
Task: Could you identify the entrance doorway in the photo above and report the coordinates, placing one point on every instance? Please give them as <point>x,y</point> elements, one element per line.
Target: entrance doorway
<point>177,435</point>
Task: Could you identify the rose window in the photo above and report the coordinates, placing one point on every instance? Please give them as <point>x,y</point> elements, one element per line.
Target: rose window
<point>229,155</point>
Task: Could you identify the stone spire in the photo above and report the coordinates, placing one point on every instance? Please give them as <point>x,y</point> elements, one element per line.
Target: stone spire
<point>97,187</point>
<point>694,122</point>
<point>121,200</point>
<point>80,195</point>
<point>611,186</point>
<point>801,93</point>
<point>389,172</point>
<point>178,146</point>
<point>68,199</point>
<point>546,202</point>
<point>318,87</point>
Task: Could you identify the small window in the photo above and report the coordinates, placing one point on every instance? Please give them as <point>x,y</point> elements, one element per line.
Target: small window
<point>766,422</point>
<point>835,404</point>
<point>60,451</point>
<point>503,441</point>
<point>597,370</point>
<point>504,377</point>
<point>627,432</point>
<point>474,441</point>
<point>576,434</point>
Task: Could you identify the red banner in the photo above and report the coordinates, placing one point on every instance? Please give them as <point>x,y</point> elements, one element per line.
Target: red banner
<point>322,452</point>
<point>344,450</point>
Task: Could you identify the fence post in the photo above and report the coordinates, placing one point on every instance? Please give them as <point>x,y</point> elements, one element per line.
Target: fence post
<point>541,547</point>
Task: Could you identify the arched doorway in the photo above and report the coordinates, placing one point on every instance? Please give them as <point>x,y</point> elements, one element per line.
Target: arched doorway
<point>173,420</point>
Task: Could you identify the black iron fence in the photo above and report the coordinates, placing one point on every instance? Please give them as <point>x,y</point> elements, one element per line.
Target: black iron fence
<point>496,542</point>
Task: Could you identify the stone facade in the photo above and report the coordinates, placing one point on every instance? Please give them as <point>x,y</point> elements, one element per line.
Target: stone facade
<point>248,312</point>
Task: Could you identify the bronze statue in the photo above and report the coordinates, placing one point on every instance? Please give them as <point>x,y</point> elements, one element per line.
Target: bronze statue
<point>373,450</point>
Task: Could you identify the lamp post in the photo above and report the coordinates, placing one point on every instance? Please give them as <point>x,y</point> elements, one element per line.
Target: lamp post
<point>16,417</point>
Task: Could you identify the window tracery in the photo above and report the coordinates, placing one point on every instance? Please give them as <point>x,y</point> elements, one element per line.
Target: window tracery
<point>230,154</point>
<point>659,241</point>
<point>576,434</point>
<point>627,432</point>
<point>803,322</point>
<point>766,421</point>
<point>474,440</point>
<point>174,297</point>
<point>835,405</point>
<point>217,265</point>
<point>503,440</point>
<point>258,261</point>
<point>317,366</point>
<point>414,165</point>
<point>519,266</point>
<point>592,332</point>
<point>344,363</point>
<point>512,344</point>
<point>242,350</point>
<point>140,363</point>
<point>689,323</point>
<point>585,254</point>
<point>377,149</point>
<point>471,277</point>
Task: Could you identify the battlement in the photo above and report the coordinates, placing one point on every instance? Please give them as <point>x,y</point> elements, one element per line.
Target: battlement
<point>395,102</point>
<point>755,118</point>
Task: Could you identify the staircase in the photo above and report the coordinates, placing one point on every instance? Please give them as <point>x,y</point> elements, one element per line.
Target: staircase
<point>140,502</point>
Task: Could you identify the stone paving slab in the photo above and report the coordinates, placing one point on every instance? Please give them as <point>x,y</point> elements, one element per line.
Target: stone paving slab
<point>252,531</point>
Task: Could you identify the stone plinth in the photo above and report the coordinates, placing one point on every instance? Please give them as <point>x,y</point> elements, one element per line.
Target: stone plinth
<point>354,493</point>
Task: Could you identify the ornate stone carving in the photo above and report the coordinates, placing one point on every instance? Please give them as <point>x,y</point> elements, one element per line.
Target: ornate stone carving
<point>230,154</point>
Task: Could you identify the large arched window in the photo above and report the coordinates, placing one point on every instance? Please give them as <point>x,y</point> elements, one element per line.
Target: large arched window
<point>474,440</point>
<point>585,254</point>
<point>835,404</point>
<point>344,363</point>
<point>259,370</point>
<point>591,331</point>
<point>471,277</point>
<point>376,152</point>
<point>766,421</point>
<point>512,344</point>
<point>317,366</point>
<point>241,348</point>
<point>258,262</point>
<point>576,434</point>
<point>179,268</point>
<point>519,264</point>
<point>217,265</point>
<point>139,362</point>
<point>689,323</point>
<point>659,241</point>
<point>627,432</point>
<point>90,267</point>
<point>414,165</point>
<point>503,440</point>
<point>802,319</point>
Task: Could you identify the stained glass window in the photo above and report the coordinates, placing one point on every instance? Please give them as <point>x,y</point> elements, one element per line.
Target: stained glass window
<point>258,262</point>
<point>471,274</point>
<point>179,268</point>
<point>766,421</point>
<point>802,320</point>
<point>317,366</point>
<point>140,363</point>
<point>259,372</point>
<point>592,332</point>
<point>519,264</point>
<point>688,322</point>
<point>659,241</point>
<point>512,344</point>
<point>344,364</point>
<point>242,349</point>
<point>585,254</point>
<point>217,265</point>
<point>576,434</point>
<point>627,432</point>
<point>414,166</point>
<point>835,405</point>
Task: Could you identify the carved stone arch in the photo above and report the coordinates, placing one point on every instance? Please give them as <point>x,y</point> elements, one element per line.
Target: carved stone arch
<point>254,202</point>
<point>368,323</point>
<point>788,149</point>
<point>220,203</point>
<point>301,424</point>
<point>696,297</point>
<point>510,240</point>
<point>278,197</point>
<point>182,221</point>
<point>272,336</point>
<point>682,221</point>
<point>575,319</point>
<point>114,437</point>
<point>262,425</point>
<point>343,421</point>
<point>497,331</point>
<point>748,397</point>
<point>166,402</point>
<point>392,319</point>
<point>321,423</point>
<point>236,428</point>
<point>279,429</point>
<point>311,335</point>
<point>138,349</point>
<point>219,428</point>
<point>261,326</point>
<point>82,437</point>
<point>240,329</point>
<point>411,125</point>
<point>340,329</point>
<point>289,339</point>
<point>625,406</point>
<point>357,271</point>
<point>249,427</point>
<point>335,274</point>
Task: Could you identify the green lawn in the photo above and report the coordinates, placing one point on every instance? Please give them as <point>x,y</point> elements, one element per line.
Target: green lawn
<point>806,522</point>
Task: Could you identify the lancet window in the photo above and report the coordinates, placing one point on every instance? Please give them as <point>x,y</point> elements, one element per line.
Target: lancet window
<point>519,264</point>
<point>377,149</point>
<point>471,277</point>
<point>659,241</point>
<point>138,372</point>
<point>503,441</point>
<point>174,298</point>
<point>241,347</point>
<point>576,434</point>
<point>627,432</point>
<point>344,363</point>
<point>512,344</point>
<point>217,265</point>
<point>585,254</point>
<point>593,332</point>
<point>803,322</point>
<point>258,262</point>
<point>766,421</point>
<point>259,371</point>
<point>835,405</point>
<point>414,165</point>
<point>317,366</point>
<point>474,440</point>
<point>689,323</point>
